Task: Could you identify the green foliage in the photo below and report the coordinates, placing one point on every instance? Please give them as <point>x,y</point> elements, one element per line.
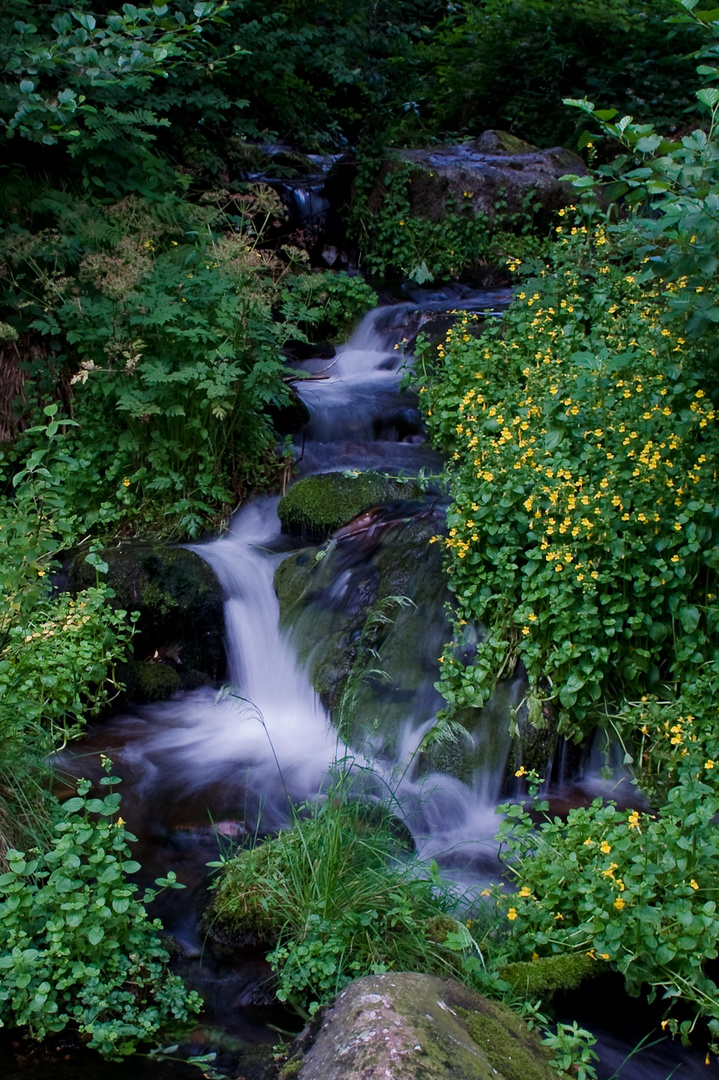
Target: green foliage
<point>572,1049</point>
<point>396,240</point>
<point>56,651</point>
<point>76,945</point>
<point>80,79</point>
<point>673,186</point>
<point>328,305</point>
<point>508,63</point>
<point>164,314</point>
<point>583,446</point>
<point>331,898</point>
<point>632,890</point>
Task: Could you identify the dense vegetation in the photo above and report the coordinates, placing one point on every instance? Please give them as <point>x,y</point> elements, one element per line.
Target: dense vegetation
<point>148,291</point>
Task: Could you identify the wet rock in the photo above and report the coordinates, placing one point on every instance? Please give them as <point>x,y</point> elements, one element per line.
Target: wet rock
<point>496,174</point>
<point>409,1026</point>
<point>314,507</point>
<point>368,619</point>
<point>178,641</point>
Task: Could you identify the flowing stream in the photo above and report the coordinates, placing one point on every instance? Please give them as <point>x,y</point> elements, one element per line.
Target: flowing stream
<point>208,768</point>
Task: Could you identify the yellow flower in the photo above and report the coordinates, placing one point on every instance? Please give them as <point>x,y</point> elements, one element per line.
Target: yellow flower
<point>709,764</point>
<point>604,956</point>
<point>619,903</point>
<point>120,822</point>
<point>521,771</point>
<point>512,914</point>
<point>559,915</point>
<point>694,884</point>
<point>126,481</point>
<point>605,847</point>
<point>589,842</point>
<point>633,820</point>
<point>525,891</point>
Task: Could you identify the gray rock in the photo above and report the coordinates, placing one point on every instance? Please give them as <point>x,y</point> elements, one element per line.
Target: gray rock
<point>499,172</point>
<point>410,1026</point>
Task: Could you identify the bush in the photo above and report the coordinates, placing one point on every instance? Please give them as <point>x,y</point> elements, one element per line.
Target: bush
<point>76,945</point>
<point>635,891</point>
<point>582,441</point>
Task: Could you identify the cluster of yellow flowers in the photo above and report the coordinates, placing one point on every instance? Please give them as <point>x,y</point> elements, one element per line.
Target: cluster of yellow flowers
<point>577,506</point>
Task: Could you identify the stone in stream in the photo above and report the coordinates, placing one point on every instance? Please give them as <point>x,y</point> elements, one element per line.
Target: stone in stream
<point>410,1026</point>
<point>178,641</point>
<point>314,507</point>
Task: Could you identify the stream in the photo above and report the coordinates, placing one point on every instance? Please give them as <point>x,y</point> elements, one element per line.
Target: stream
<point>208,770</point>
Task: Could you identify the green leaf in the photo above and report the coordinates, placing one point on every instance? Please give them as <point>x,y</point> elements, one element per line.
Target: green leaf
<point>95,935</point>
<point>709,96</point>
<point>689,618</point>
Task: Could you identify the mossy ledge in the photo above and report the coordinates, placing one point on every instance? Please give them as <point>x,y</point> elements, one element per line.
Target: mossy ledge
<point>317,505</point>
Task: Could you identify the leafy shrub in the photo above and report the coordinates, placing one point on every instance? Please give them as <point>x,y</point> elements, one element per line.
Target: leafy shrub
<point>635,891</point>
<point>76,945</point>
<point>163,315</point>
<point>328,304</point>
<point>509,63</point>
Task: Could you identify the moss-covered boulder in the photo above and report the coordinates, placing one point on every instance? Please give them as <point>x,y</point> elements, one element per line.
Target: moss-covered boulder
<point>410,1026</point>
<point>179,637</point>
<point>317,505</point>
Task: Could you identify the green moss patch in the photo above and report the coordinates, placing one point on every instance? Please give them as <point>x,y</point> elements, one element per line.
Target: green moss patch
<point>512,1049</point>
<point>314,507</point>
<point>542,978</point>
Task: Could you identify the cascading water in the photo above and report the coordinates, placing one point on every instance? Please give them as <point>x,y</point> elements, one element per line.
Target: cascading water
<point>233,760</point>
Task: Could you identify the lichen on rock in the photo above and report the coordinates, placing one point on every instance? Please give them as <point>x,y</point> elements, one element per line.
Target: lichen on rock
<point>411,1026</point>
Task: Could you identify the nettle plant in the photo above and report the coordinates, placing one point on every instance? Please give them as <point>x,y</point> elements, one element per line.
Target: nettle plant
<point>76,944</point>
<point>582,441</point>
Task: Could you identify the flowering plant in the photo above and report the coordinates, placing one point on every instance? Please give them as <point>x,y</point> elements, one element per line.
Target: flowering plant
<point>582,452</point>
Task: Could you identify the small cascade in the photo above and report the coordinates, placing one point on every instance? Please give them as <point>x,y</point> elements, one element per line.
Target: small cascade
<point>240,753</point>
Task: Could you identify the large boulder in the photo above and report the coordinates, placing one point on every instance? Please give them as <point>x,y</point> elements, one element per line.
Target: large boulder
<point>409,1026</point>
<point>179,636</point>
<point>496,174</point>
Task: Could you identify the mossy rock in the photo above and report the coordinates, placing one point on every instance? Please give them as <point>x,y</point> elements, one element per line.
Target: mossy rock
<point>317,505</point>
<point>543,977</point>
<point>367,617</point>
<point>537,737</point>
<point>180,631</point>
<point>421,1028</point>
<point>146,682</point>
